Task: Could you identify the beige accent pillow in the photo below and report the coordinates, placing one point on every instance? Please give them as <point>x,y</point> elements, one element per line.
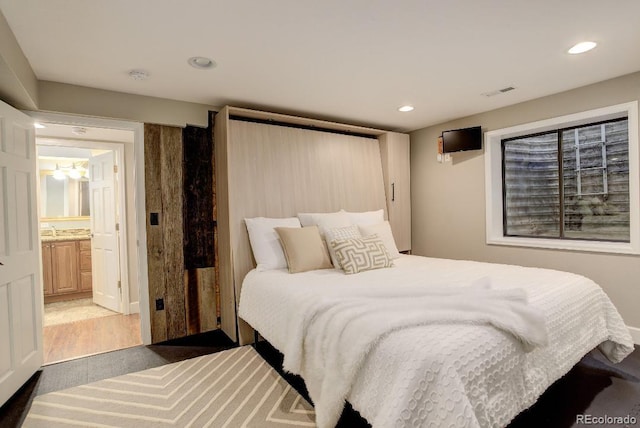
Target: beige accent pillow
<point>303,248</point>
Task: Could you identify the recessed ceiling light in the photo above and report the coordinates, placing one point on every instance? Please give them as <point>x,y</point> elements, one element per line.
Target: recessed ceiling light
<point>201,62</point>
<point>582,47</point>
<point>139,74</point>
<point>39,125</point>
<point>405,108</point>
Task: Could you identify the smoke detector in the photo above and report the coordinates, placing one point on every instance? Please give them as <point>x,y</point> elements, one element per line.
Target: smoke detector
<point>78,130</point>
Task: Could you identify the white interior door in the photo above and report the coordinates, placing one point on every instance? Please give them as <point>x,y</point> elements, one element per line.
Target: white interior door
<point>105,261</point>
<point>20,283</point>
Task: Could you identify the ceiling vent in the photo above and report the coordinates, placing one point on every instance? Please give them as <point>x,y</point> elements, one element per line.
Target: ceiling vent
<point>139,74</point>
<point>498,91</point>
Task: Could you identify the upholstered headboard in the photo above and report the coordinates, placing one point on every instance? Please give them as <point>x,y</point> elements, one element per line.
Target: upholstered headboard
<point>277,170</point>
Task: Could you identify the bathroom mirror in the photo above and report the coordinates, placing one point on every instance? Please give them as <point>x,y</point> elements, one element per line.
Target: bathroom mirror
<point>66,198</point>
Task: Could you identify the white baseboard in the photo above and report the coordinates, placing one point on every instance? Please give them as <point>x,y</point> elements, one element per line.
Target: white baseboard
<point>134,308</point>
<point>635,334</point>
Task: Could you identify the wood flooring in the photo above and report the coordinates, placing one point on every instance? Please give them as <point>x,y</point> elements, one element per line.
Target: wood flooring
<point>89,337</point>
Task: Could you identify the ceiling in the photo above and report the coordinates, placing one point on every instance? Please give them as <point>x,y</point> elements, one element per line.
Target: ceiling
<point>355,61</point>
<point>74,153</point>
<point>54,131</point>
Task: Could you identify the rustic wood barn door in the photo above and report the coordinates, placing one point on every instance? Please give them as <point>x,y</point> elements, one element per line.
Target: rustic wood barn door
<point>180,230</point>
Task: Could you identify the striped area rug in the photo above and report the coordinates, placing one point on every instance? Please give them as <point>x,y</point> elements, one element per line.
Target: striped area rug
<point>234,388</point>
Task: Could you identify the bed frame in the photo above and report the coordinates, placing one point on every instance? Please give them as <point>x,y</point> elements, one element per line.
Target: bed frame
<point>274,165</point>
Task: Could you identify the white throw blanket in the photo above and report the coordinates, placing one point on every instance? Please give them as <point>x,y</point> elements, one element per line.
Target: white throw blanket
<point>330,338</point>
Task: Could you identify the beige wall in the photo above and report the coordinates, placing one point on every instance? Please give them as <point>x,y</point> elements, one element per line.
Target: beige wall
<point>81,100</point>
<point>18,83</point>
<point>448,205</point>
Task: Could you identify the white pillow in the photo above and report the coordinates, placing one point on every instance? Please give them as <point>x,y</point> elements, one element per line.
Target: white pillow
<point>312,219</point>
<point>383,230</point>
<point>265,242</point>
<point>325,221</point>
<point>366,218</point>
<point>340,233</point>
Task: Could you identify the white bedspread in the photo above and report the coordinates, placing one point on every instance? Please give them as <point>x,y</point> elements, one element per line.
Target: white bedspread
<point>439,374</point>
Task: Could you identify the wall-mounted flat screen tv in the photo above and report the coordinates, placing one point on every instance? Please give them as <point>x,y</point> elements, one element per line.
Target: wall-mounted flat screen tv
<point>458,140</point>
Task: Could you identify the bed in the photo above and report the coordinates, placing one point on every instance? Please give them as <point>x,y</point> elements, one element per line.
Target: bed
<point>428,374</point>
<point>436,374</point>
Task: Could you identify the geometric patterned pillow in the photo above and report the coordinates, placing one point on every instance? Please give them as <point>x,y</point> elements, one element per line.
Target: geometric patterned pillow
<point>360,254</point>
<point>340,233</point>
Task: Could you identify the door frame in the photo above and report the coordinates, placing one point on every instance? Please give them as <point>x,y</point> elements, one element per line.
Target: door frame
<point>138,197</point>
<point>118,149</point>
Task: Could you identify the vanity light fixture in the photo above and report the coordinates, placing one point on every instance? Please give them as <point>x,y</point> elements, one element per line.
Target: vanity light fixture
<point>201,63</point>
<point>405,109</point>
<point>582,47</point>
<point>74,172</point>
<point>58,174</point>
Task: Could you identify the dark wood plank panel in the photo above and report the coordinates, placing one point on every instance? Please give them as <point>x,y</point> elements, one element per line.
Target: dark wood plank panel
<point>199,229</point>
<point>172,233</point>
<point>198,197</point>
<point>192,300</point>
<point>181,248</point>
<point>155,257</point>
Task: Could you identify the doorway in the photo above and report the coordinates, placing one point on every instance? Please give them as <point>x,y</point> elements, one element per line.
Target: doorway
<point>90,304</point>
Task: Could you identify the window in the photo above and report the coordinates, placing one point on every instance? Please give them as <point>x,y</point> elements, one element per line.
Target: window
<point>569,182</point>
